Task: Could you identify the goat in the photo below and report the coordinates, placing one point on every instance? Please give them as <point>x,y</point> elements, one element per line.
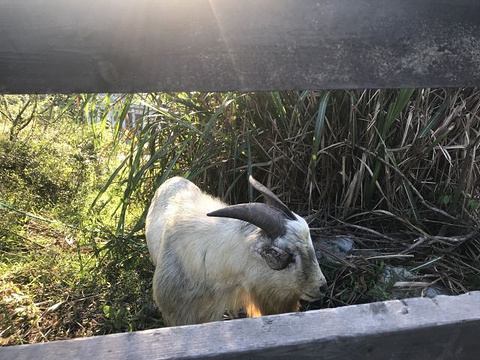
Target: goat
<point>210,257</point>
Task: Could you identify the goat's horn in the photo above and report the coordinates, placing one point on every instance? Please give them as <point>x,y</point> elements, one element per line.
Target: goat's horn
<point>266,217</point>
<point>271,198</point>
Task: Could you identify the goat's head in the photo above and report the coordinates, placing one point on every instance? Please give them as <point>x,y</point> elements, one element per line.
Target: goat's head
<point>284,245</point>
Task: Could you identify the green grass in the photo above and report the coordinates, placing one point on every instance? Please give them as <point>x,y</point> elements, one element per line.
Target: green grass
<point>58,278</point>
<point>57,288</point>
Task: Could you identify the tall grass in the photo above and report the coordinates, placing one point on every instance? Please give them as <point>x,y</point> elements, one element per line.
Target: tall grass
<point>410,153</point>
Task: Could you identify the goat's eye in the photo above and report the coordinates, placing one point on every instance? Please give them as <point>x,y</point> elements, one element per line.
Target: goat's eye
<point>291,259</point>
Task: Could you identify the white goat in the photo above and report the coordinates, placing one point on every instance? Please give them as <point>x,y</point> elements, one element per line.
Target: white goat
<point>210,257</point>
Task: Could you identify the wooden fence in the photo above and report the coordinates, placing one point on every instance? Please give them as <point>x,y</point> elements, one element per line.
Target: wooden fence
<point>223,45</point>
<point>64,46</point>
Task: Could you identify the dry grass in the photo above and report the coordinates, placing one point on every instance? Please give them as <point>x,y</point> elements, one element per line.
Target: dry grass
<point>396,171</point>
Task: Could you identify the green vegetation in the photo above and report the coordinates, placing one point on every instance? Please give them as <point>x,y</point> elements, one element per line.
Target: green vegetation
<point>393,171</point>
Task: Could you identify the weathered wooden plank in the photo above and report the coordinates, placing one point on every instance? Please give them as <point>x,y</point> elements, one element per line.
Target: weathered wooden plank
<point>216,45</point>
<point>440,328</point>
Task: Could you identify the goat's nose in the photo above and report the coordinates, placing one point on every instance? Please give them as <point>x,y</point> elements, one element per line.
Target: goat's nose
<point>323,289</point>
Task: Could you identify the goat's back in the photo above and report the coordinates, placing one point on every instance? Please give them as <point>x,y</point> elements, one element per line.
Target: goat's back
<point>174,202</point>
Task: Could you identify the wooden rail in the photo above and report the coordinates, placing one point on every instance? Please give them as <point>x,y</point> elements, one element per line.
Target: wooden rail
<point>420,328</point>
<point>218,45</point>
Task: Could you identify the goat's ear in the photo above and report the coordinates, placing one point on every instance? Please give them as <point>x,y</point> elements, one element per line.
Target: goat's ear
<point>276,258</point>
<point>271,198</point>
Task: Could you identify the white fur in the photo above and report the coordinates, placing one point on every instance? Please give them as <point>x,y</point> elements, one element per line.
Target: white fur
<point>205,266</point>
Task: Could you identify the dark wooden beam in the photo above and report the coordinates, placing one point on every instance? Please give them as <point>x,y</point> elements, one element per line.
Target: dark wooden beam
<point>216,45</point>
<point>440,328</point>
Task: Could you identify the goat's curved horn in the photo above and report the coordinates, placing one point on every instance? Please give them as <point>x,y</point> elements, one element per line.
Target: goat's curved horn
<point>271,198</point>
<point>266,217</point>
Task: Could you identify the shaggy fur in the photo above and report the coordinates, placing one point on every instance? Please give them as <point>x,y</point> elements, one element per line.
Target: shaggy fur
<point>206,265</point>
